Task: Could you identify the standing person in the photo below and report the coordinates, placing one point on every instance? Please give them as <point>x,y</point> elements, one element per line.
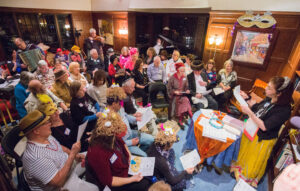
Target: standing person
<point>158,46</point>
<point>94,42</point>
<point>21,92</point>
<point>22,47</point>
<point>47,165</point>
<point>177,91</point>
<point>170,67</point>
<point>164,168</point>
<point>108,157</point>
<point>268,115</point>
<point>98,88</point>
<point>141,81</point>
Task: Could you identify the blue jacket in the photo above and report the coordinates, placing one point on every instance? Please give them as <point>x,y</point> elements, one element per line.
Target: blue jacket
<point>21,94</point>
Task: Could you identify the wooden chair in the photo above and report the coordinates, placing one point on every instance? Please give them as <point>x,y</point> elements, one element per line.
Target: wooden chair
<point>257,93</point>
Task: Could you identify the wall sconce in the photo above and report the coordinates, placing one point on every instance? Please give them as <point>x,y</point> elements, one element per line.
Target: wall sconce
<point>67,26</point>
<point>214,41</point>
<point>123,31</point>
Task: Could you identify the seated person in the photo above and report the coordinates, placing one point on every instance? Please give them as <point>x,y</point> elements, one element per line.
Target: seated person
<point>59,131</point>
<point>10,68</point>
<point>170,67</point>
<point>125,56</point>
<point>164,168</point>
<point>108,157</point>
<point>198,84</point>
<point>38,93</point>
<point>141,80</point>
<point>157,78</point>
<point>94,63</point>
<point>129,65</point>
<point>160,186</point>
<point>109,53</point>
<point>75,74</point>
<point>61,87</point>
<point>21,92</point>
<point>150,56</point>
<point>179,102</point>
<point>158,46</point>
<point>76,56</point>
<point>23,47</point>
<point>46,164</point>
<point>226,80</point>
<point>83,108</point>
<point>132,138</point>
<point>59,65</point>
<point>61,56</point>
<point>44,74</point>
<point>97,90</point>
<point>116,71</point>
<point>210,70</point>
<point>188,62</point>
<point>164,57</point>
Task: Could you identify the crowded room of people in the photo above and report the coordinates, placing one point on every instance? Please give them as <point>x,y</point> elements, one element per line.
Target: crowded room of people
<point>150,95</point>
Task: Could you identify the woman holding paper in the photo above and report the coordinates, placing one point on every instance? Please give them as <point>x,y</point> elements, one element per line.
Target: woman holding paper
<point>177,90</point>
<point>268,116</point>
<point>226,81</point>
<point>108,157</point>
<point>83,108</point>
<point>164,168</point>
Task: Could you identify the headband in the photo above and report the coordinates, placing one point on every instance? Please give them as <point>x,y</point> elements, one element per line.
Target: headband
<point>285,83</point>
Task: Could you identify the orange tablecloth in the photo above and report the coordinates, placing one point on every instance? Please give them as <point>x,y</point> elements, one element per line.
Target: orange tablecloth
<point>208,147</point>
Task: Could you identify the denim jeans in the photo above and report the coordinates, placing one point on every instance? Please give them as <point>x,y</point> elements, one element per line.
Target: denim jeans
<point>145,141</point>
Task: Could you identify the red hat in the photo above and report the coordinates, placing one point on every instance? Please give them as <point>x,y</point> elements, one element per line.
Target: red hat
<point>178,65</point>
<point>58,50</point>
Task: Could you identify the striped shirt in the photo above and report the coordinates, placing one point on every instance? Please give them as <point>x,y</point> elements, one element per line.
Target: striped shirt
<point>41,162</point>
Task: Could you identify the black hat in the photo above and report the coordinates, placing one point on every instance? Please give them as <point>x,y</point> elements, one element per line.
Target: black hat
<point>197,65</point>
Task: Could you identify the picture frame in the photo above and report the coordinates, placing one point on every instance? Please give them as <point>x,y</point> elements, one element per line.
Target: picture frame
<point>253,47</point>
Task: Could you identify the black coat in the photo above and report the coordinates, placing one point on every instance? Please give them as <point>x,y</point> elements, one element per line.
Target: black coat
<point>192,83</point>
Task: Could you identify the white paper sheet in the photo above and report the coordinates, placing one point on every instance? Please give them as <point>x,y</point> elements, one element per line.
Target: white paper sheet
<point>218,91</point>
<point>147,115</point>
<point>238,97</point>
<point>190,160</point>
<point>296,151</point>
<point>81,129</point>
<point>143,165</point>
<point>207,112</point>
<point>211,132</point>
<point>241,185</point>
<point>251,127</point>
<point>107,188</point>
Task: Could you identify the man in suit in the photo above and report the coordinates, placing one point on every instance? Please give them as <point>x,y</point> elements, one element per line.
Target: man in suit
<point>200,87</point>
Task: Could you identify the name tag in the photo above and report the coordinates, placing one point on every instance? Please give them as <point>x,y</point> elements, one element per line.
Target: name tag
<point>113,158</point>
<point>67,131</point>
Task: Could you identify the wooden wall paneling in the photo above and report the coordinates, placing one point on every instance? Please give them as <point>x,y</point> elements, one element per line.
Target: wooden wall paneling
<point>131,29</point>
<point>221,23</point>
<point>200,35</point>
<point>82,21</point>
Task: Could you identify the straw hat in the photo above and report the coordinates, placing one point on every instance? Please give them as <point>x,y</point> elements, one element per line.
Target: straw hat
<point>31,121</point>
<point>164,137</point>
<point>110,124</point>
<point>75,48</point>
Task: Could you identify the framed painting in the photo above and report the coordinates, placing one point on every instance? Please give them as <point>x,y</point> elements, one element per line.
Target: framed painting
<point>252,46</point>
